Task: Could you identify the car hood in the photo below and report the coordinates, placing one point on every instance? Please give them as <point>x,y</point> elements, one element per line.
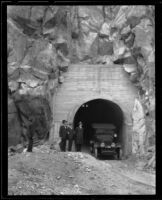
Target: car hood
<point>107,139</point>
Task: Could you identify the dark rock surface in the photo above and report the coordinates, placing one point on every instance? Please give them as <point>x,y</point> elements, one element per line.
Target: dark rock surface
<point>43,40</point>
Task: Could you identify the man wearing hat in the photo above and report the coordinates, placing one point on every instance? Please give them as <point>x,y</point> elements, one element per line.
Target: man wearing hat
<point>79,137</point>
<point>63,132</point>
<point>31,131</point>
<point>70,136</point>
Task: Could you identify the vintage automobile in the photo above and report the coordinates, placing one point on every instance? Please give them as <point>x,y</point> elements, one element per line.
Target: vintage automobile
<point>105,141</point>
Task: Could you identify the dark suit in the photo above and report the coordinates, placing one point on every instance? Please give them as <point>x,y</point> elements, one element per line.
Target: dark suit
<point>78,138</point>
<point>63,134</point>
<point>70,138</point>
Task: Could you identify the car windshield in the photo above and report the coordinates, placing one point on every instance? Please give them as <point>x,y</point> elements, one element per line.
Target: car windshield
<point>104,136</point>
<point>106,133</point>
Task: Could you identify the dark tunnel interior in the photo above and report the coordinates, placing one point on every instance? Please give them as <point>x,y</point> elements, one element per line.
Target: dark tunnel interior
<point>98,111</point>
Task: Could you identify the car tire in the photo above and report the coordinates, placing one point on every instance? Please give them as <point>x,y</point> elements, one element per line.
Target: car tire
<point>119,154</point>
<point>91,150</point>
<point>116,156</point>
<point>96,152</point>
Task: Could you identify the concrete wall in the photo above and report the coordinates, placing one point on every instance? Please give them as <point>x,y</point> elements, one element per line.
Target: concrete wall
<point>87,82</point>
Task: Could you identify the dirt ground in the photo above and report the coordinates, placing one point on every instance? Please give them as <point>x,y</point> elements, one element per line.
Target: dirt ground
<point>50,172</point>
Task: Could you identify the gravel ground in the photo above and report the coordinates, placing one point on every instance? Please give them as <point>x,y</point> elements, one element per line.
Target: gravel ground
<point>49,172</point>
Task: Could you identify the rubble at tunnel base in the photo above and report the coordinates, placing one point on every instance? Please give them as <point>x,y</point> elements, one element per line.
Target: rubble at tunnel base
<point>44,40</point>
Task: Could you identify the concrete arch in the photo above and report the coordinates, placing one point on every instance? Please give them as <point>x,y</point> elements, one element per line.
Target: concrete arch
<point>85,83</point>
<point>126,125</point>
<point>74,110</point>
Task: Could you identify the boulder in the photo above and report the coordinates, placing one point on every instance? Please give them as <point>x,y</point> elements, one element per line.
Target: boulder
<point>105,29</point>
<point>11,68</point>
<point>144,33</point>
<point>134,77</point>
<point>17,43</point>
<point>62,61</point>
<point>38,107</point>
<point>63,47</point>
<point>151,72</point>
<point>119,48</point>
<point>133,21</point>
<point>130,68</point>
<point>105,47</point>
<point>129,15</point>
<point>11,105</point>
<point>125,30</point>
<point>87,46</point>
<point>37,13</point>
<point>22,11</point>
<point>91,18</point>
<point>36,47</point>
<point>107,59</point>
<point>111,12</point>
<point>136,11</point>
<point>127,59</point>
<point>128,39</point>
<point>120,18</point>
<point>13,85</point>
<point>38,90</point>
<point>49,13</point>
<point>14,126</point>
<point>14,129</point>
<point>46,58</point>
<point>30,28</point>
<point>90,21</point>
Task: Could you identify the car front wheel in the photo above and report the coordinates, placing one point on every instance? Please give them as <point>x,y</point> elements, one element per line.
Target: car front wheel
<point>119,154</point>
<point>96,153</point>
<point>91,149</point>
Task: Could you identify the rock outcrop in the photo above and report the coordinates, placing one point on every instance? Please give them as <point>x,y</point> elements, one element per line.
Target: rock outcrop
<point>44,40</point>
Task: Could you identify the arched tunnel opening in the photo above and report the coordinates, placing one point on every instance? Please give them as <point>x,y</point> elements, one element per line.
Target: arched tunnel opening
<point>98,111</point>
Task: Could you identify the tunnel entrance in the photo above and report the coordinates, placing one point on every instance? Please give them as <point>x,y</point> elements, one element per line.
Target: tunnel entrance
<point>98,111</point>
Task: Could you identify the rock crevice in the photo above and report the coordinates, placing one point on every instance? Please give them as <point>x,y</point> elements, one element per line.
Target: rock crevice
<point>44,40</point>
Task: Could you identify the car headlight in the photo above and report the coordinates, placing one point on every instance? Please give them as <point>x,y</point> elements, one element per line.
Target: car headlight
<point>102,144</point>
<point>113,144</point>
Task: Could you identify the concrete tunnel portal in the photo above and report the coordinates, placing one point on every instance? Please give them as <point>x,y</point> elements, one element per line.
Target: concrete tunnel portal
<point>109,95</point>
<point>99,111</point>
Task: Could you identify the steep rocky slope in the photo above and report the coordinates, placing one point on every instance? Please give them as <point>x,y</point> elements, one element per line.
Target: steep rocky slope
<point>44,40</point>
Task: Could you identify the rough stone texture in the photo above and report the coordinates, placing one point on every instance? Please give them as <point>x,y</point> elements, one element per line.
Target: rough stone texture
<point>43,40</point>
<point>14,127</point>
<point>28,106</point>
<point>139,128</point>
<point>105,47</point>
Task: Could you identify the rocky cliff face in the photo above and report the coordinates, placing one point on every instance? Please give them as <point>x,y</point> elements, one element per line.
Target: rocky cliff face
<point>44,40</point>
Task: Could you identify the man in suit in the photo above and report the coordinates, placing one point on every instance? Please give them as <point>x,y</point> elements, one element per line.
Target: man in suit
<point>70,136</point>
<point>63,135</point>
<point>79,137</point>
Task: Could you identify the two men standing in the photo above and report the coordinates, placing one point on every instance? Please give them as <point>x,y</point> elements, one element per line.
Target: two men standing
<point>67,133</point>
